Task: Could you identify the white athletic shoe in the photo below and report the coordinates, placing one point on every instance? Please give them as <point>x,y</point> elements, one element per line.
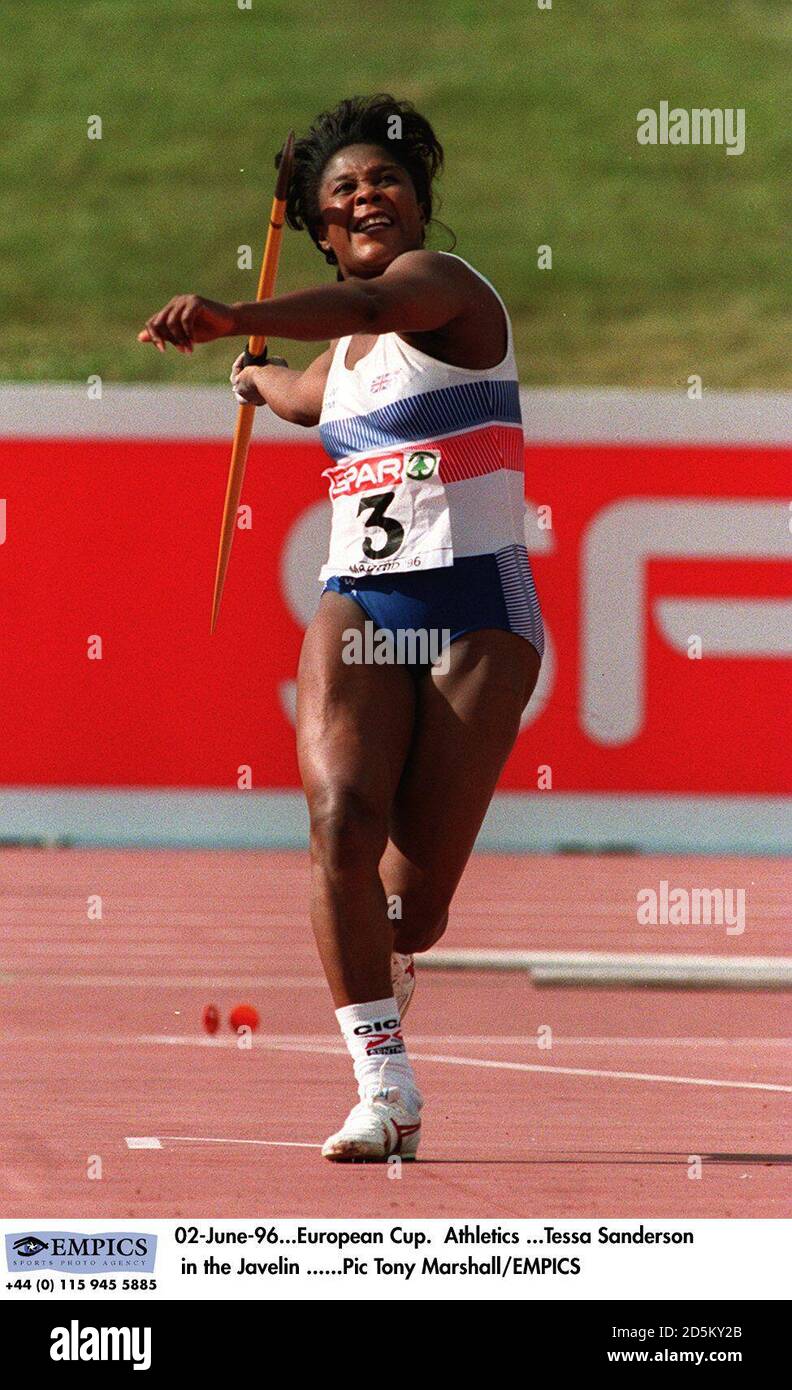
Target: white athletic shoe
<point>379,1126</point>
<point>403,980</point>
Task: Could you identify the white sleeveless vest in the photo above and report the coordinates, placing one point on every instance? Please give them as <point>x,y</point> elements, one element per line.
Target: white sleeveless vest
<point>429,459</point>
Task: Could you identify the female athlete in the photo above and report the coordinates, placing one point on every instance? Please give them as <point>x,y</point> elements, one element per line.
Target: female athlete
<point>428,638</point>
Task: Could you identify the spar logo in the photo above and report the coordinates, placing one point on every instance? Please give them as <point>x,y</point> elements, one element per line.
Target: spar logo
<point>422,463</point>
<point>363,475</point>
<point>350,478</point>
<point>79,1250</point>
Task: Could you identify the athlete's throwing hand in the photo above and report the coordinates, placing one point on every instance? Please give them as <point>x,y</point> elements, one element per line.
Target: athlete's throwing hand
<point>244,380</point>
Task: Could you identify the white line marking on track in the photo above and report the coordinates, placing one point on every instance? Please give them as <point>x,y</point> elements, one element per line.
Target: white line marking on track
<point>491,1064</point>
<point>229,1039</point>
<point>592,1071</point>
<point>473,1039</point>
<point>201,1139</point>
<point>205,981</point>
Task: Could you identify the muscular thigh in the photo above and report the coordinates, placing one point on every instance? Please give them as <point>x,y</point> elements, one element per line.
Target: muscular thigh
<point>466,722</point>
<point>354,720</point>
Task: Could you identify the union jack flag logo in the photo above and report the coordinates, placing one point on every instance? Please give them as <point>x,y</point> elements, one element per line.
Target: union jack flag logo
<point>378,383</point>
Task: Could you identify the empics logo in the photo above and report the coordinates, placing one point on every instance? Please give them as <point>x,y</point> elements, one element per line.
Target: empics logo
<point>28,1246</point>
<point>75,1251</point>
<point>76,1343</point>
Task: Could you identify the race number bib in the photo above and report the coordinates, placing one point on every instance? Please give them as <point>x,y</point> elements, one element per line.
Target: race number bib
<point>390,514</point>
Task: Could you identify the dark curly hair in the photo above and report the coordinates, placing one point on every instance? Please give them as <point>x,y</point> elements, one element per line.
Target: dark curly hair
<point>361,121</point>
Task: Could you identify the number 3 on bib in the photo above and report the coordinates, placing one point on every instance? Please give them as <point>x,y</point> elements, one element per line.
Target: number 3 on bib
<point>376,503</point>
<point>390,514</point>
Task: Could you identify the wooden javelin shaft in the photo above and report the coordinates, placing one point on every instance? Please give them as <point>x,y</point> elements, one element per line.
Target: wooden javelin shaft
<point>247,413</point>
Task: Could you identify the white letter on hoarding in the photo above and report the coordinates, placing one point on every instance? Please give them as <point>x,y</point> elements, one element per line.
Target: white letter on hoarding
<point>617,546</point>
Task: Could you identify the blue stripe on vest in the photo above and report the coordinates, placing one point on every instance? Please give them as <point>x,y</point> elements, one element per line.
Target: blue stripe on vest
<point>466,406</point>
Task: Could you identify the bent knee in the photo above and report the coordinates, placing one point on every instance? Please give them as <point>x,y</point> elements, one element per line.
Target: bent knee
<point>420,932</point>
<point>348,828</point>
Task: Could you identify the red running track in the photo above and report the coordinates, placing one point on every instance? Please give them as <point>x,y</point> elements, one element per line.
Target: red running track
<point>103,1043</point>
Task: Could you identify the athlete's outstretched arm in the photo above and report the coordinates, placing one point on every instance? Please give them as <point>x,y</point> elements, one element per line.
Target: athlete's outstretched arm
<point>421,291</point>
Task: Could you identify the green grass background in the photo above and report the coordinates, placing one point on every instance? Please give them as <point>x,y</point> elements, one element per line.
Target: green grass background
<point>667,260</point>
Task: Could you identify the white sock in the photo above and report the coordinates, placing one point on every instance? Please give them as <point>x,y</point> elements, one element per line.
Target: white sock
<point>372,1032</point>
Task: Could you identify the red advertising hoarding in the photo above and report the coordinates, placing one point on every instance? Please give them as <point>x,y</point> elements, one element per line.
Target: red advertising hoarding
<point>663,573</point>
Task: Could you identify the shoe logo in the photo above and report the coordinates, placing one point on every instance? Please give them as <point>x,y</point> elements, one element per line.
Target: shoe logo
<point>378,1040</point>
<point>404,1132</point>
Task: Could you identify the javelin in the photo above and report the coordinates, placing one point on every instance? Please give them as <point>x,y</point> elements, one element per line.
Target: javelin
<point>256,345</point>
